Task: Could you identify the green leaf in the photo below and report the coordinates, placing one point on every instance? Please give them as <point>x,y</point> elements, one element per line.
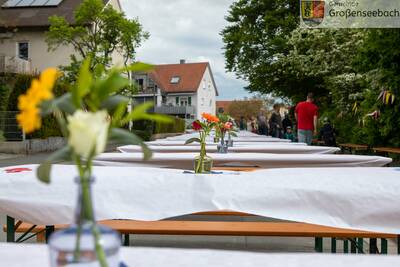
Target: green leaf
<point>113,101</point>
<point>119,112</point>
<point>63,103</point>
<point>140,113</point>
<point>139,67</point>
<point>139,110</point>
<point>127,138</point>
<point>192,140</point>
<point>83,84</point>
<point>43,172</point>
<point>113,83</point>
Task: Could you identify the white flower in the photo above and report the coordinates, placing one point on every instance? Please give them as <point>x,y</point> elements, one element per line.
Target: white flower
<point>87,132</point>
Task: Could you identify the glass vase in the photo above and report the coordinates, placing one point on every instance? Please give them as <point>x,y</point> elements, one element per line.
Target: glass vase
<point>229,143</point>
<point>85,243</point>
<point>203,164</point>
<point>222,148</point>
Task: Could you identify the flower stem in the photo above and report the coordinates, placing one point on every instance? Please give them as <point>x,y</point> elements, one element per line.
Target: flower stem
<point>86,215</point>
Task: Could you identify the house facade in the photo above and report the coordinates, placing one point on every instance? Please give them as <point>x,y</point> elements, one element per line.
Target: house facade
<point>23,24</point>
<point>185,89</point>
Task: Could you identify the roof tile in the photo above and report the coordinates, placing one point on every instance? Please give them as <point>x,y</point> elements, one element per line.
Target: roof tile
<point>190,75</point>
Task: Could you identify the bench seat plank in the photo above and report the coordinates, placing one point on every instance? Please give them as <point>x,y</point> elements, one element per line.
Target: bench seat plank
<point>284,229</point>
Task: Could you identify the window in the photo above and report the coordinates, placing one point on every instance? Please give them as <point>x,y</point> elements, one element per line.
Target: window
<point>140,83</point>
<point>184,101</point>
<point>202,101</point>
<point>210,102</point>
<point>209,86</point>
<point>23,50</point>
<point>177,100</point>
<point>204,84</point>
<point>190,100</point>
<point>175,79</point>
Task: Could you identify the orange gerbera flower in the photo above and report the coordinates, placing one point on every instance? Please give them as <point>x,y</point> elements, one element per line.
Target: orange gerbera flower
<point>209,117</point>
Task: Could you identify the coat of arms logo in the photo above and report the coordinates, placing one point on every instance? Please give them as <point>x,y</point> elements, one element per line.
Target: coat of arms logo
<point>312,12</point>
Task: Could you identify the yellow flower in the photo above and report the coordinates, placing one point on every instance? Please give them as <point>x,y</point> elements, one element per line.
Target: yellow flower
<point>24,102</point>
<point>29,120</point>
<point>47,80</point>
<point>40,90</point>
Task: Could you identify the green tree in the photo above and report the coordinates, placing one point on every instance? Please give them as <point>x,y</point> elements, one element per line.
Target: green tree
<point>256,33</point>
<point>98,32</point>
<point>379,59</point>
<point>316,60</point>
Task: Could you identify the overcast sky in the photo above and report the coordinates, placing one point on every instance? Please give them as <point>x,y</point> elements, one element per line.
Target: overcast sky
<point>186,29</point>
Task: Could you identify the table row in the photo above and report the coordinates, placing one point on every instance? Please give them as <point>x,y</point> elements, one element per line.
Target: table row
<point>261,160</point>
<point>350,198</point>
<point>261,148</point>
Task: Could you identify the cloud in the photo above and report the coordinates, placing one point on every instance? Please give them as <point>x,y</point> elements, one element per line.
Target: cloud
<point>186,29</point>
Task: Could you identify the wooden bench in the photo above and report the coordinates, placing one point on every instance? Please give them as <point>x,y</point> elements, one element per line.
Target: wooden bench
<point>354,147</point>
<point>219,228</point>
<point>387,150</point>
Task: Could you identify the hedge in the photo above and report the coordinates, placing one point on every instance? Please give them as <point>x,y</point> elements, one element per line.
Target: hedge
<point>5,91</point>
<point>145,129</point>
<point>178,126</point>
<point>20,85</point>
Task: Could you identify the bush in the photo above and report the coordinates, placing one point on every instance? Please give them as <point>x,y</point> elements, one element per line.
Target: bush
<point>5,91</point>
<point>21,85</point>
<point>50,126</point>
<point>145,129</point>
<point>178,126</point>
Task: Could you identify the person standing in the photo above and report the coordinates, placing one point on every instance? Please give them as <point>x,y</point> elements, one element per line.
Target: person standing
<point>253,125</point>
<point>328,133</point>
<point>262,124</point>
<point>242,124</point>
<point>286,123</point>
<point>275,122</point>
<point>307,118</point>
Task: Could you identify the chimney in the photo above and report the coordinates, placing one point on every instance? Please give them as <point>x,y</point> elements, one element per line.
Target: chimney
<point>182,61</point>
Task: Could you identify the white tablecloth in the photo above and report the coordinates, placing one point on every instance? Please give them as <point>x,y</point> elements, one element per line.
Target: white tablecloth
<point>262,148</point>
<point>163,142</point>
<point>353,198</point>
<point>237,139</point>
<point>185,160</point>
<point>17,255</point>
<point>242,137</point>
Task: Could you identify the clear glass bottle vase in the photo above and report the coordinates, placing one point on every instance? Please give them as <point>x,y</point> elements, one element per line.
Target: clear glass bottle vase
<point>203,163</point>
<point>222,148</point>
<point>85,243</point>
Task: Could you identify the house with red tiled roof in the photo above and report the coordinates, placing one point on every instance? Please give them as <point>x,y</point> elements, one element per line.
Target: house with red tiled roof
<point>185,89</point>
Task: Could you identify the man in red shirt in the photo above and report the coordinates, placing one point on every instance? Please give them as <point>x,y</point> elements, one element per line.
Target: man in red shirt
<point>307,117</point>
